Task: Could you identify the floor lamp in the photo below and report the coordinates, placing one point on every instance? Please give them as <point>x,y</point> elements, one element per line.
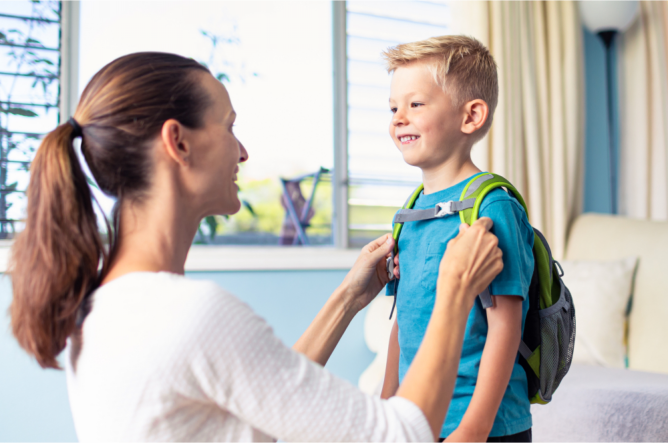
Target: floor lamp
<point>606,19</point>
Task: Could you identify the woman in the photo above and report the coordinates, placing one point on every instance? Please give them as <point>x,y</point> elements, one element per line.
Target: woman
<point>153,355</point>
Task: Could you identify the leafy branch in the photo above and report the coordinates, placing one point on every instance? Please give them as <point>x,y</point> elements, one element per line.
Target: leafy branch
<point>23,59</point>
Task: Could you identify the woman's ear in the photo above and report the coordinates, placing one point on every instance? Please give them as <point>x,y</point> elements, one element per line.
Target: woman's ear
<point>475,115</point>
<point>174,141</point>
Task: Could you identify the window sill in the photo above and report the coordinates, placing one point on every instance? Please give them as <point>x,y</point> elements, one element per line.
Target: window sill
<point>251,258</point>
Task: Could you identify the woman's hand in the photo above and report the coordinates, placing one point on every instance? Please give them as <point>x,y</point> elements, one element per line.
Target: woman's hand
<point>364,281</point>
<point>471,260</point>
<point>368,275</point>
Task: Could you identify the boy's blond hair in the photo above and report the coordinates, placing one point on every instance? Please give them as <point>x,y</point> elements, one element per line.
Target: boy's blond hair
<point>461,65</point>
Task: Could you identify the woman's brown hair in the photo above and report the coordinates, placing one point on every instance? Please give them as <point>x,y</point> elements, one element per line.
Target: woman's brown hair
<point>60,256</point>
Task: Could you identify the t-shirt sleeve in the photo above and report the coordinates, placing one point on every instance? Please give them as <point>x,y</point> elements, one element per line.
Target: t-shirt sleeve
<point>243,367</point>
<point>515,235</point>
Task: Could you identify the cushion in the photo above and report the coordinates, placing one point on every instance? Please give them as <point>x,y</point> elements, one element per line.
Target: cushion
<point>377,330</point>
<point>607,237</point>
<point>601,292</point>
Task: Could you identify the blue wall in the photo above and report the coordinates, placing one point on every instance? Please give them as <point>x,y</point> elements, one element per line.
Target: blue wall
<point>33,401</point>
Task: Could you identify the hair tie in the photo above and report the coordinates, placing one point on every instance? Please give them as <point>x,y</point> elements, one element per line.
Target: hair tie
<point>76,126</point>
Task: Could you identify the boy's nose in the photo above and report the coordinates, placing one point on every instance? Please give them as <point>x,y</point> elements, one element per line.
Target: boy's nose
<point>398,119</point>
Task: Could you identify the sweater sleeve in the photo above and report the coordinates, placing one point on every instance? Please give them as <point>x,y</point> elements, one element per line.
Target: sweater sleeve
<point>240,364</point>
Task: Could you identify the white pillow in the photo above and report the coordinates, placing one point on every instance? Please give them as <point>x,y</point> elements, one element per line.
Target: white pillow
<point>601,292</point>
<point>377,330</point>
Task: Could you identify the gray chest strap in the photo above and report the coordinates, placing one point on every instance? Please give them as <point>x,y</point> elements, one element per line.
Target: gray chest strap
<point>438,211</point>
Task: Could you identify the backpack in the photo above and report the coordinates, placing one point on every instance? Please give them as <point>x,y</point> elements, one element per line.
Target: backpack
<point>546,348</point>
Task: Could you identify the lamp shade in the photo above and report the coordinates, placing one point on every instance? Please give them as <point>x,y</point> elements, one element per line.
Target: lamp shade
<point>600,16</point>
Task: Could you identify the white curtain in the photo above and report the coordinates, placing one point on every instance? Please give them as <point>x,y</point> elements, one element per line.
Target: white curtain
<point>537,138</point>
<point>643,107</point>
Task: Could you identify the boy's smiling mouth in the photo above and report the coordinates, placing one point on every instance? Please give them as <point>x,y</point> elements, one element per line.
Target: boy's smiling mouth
<point>406,139</point>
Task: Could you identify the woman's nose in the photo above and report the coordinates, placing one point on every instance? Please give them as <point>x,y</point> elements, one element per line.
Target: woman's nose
<point>243,154</point>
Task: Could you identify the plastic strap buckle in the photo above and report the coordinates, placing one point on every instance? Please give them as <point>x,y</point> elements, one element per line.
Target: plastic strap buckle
<point>443,209</point>
<point>389,267</point>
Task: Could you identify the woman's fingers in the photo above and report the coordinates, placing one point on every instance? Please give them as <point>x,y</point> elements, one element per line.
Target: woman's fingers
<point>379,248</point>
<point>396,266</point>
<point>380,242</point>
<point>376,251</point>
<point>487,257</point>
<point>485,243</point>
<point>489,268</point>
<point>473,256</point>
<point>485,223</point>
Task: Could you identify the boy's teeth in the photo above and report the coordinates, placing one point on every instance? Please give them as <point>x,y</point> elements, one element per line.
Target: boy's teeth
<point>409,137</point>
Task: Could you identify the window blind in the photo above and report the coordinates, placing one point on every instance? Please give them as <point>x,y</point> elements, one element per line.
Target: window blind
<point>379,179</point>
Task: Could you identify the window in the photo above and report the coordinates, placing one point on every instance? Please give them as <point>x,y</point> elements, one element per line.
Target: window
<point>30,45</point>
<point>277,67</point>
<point>379,180</point>
<point>295,117</point>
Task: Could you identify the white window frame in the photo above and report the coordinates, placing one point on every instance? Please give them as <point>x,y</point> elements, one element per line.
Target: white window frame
<point>340,176</point>
<point>69,58</point>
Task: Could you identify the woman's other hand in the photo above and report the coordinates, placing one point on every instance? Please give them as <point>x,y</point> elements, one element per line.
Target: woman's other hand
<point>471,260</point>
<point>368,275</point>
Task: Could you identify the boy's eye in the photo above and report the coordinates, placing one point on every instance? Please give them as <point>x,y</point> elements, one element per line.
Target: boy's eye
<point>393,110</point>
<point>415,105</point>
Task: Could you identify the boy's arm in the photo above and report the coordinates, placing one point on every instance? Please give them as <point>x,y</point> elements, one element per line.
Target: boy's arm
<point>498,358</point>
<point>391,381</point>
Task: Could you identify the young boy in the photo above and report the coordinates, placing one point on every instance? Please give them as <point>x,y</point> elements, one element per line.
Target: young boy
<point>443,95</point>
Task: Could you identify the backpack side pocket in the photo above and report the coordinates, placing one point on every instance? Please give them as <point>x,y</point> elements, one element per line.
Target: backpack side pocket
<point>557,336</point>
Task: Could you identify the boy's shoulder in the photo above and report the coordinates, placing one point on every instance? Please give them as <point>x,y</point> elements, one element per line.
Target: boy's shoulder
<point>498,202</point>
<point>507,214</point>
<point>498,195</point>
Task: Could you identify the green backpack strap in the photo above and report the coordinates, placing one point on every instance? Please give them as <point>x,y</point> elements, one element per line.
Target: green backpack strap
<point>389,264</point>
<point>478,188</point>
<point>408,205</point>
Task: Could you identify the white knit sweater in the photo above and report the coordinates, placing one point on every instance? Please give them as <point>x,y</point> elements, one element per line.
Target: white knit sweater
<point>169,358</point>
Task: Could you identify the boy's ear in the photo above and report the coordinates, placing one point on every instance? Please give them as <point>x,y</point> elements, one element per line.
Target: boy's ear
<point>475,115</point>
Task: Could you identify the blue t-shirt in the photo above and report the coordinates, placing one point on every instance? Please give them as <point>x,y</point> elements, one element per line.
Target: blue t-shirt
<point>421,247</point>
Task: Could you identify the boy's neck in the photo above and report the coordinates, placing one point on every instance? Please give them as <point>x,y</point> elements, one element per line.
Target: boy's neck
<point>447,174</point>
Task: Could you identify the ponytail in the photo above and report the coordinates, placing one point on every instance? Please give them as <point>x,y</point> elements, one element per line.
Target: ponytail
<point>55,260</point>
